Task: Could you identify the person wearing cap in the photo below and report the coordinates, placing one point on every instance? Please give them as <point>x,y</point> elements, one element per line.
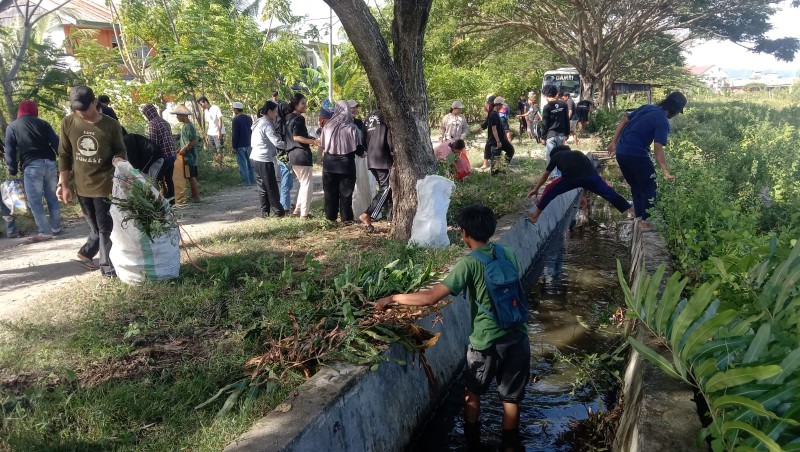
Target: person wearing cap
<point>31,144</point>
<point>103,102</point>
<point>188,156</point>
<point>454,126</point>
<point>240,143</point>
<point>555,122</point>
<point>497,140</point>
<point>89,146</point>
<point>636,131</point>
<point>215,130</point>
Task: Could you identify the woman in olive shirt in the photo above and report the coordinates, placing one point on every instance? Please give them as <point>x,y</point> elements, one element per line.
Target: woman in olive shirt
<point>298,144</point>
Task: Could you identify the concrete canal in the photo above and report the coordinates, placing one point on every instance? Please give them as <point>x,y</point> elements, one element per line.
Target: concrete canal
<point>574,292</point>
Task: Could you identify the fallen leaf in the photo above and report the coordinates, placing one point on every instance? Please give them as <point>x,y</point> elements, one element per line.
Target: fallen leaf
<point>283,407</point>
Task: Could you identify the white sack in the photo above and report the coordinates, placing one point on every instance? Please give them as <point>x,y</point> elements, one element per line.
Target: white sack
<point>134,255</point>
<point>430,222</point>
<point>365,187</point>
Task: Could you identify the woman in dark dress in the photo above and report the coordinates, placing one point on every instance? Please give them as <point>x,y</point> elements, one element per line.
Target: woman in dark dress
<point>341,143</point>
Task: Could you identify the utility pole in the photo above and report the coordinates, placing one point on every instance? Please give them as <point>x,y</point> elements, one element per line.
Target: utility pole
<point>330,55</point>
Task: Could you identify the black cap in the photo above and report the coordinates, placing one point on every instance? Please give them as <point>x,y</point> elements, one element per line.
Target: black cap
<point>676,99</point>
<point>81,97</point>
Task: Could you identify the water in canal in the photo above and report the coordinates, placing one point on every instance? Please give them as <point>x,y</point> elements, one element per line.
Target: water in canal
<point>573,292</point>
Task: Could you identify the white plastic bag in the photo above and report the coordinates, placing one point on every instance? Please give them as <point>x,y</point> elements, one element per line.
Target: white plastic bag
<point>365,187</point>
<point>135,256</point>
<point>13,195</point>
<point>430,222</point>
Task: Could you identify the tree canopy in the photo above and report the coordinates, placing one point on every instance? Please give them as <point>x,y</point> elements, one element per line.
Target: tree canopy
<point>596,36</point>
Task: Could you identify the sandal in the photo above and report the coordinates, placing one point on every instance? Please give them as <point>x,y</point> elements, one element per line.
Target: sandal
<point>87,264</point>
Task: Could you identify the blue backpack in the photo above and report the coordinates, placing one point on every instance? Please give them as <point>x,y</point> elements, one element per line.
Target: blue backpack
<point>509,301</point>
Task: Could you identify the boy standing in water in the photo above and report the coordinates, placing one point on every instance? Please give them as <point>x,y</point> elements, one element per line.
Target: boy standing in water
<point>493,353</point>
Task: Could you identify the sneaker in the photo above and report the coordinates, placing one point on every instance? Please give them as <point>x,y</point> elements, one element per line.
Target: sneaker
<point>57,231</point>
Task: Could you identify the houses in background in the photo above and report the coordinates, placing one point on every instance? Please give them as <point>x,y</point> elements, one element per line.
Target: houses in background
<point>718,79</point>
<point>713,76</point>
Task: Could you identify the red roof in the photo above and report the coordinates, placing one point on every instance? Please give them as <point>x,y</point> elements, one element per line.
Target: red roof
<point>699,70</point>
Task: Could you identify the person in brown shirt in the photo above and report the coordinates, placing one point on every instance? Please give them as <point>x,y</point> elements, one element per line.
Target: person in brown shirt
<point>90,145</point>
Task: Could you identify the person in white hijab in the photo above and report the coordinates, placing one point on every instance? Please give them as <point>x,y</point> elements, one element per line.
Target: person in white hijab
<point>340,141</point>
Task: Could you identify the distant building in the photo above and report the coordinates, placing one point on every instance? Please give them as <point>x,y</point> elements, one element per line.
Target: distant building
<point>72,18</point>
<point>714,77</point>
<point>762,80</point>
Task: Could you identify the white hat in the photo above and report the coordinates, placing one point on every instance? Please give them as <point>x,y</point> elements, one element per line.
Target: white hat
<point>238,105</point>
<point>352,103</point>
<point>499,100</point>
<point>457,104</point>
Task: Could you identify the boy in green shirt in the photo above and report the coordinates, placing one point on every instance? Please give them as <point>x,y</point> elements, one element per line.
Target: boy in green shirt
<point>493,353</point>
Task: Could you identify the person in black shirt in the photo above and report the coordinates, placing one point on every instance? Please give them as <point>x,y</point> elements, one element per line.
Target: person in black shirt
<point>582,111</point>
<point>577,171</point>
<point>522,109</point>
<point>380,160</point>
<point>102,104</point>
<point>298,146</point>
<point>143,154</point>
<point>497,141</point>
<point>573,120</point>
<point>555,121</point>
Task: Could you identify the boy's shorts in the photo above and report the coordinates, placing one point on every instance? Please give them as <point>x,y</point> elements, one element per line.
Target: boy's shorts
<point>508,361</point>
<point>573,125</point>
<point>192,170</point>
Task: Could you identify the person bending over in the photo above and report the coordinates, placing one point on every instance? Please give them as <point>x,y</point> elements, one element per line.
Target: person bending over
<point>577,171</point>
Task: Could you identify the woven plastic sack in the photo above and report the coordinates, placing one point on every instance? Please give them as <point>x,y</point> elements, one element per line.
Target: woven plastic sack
<point>365,187</point>
<point>430,223</point>
<point>13,194</point>
<point>135,256</point>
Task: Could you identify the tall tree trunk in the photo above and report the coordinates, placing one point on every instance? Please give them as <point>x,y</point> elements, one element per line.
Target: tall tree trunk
<point>399,86</point>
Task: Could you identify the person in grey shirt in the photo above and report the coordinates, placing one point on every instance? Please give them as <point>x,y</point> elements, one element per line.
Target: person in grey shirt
<point>454,125</point>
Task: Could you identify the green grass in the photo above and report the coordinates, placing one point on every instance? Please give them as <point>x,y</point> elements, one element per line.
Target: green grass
<point>102,365</point>
<point>105,365</point>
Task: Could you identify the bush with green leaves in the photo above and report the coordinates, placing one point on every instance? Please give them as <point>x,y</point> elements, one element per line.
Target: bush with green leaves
<point>743,358</point>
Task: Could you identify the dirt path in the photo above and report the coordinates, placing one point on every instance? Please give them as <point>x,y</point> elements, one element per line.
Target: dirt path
<point>28,271</point>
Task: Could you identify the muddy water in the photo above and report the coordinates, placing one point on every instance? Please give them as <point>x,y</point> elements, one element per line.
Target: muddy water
<point>573,291</point>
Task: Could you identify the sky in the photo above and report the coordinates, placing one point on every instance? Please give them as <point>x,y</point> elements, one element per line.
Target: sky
<point>726,55</point>
<point>730,56</point>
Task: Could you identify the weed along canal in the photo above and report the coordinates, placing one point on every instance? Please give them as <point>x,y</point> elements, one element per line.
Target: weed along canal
<point>574,293</point>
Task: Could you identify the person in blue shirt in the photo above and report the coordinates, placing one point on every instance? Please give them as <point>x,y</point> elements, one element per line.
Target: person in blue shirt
<point>631,143</point>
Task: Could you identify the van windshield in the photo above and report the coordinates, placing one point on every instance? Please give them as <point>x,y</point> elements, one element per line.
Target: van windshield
<point>570,83</point>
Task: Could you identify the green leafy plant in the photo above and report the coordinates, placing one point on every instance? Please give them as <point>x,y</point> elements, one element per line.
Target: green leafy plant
<point>344,327</point>
<point>744,361</point>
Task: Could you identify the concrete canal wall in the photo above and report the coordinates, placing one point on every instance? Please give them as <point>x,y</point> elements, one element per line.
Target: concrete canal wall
<point>350,408</point>
<point>660,414</point>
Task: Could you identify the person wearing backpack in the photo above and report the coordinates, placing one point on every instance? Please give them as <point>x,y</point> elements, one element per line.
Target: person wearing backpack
<point>499,347</point>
